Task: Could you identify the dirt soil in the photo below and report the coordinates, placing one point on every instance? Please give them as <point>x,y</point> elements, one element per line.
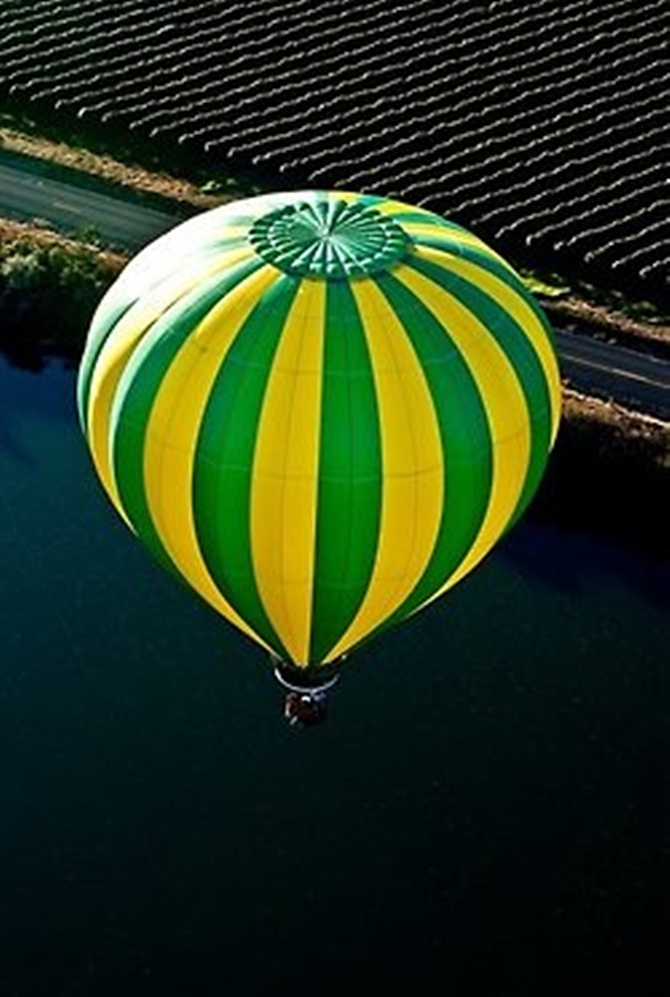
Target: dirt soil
<point>654,432</point>
<point>573,313</point>
<point>107,168</point>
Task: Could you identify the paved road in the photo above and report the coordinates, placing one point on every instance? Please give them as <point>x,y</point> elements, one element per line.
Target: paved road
<point>123,222</point>
<point>634,379</point>
<point>637,380</point>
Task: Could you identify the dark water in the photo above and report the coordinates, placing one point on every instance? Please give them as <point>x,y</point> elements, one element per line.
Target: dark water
<point>481,814</point>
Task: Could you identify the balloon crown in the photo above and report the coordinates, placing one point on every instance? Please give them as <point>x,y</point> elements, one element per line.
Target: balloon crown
<point>333,239</point>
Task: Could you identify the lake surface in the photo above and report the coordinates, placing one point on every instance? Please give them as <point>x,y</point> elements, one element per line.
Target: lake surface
<point>481,813</point>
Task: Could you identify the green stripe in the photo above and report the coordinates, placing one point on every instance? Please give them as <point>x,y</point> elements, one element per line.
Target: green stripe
<point>521,354</point>
<point>137,391</point>
<point>350,474</point>
<point>224,457</point>
<point>485,258</point>
<point>106,317</point>
<point>466,441</point>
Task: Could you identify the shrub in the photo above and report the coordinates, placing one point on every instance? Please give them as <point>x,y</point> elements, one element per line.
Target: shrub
<point>48,293</point>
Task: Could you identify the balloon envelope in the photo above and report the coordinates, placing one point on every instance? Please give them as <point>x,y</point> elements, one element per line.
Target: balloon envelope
<point>319,409</point>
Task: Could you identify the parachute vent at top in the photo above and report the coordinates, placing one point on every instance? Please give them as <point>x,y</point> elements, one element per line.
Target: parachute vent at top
<point>320,409</point>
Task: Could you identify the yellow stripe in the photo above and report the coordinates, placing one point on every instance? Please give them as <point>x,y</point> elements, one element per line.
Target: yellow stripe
<point>453,238</point>
<point>172,434</point>
<point>514,303</point>
<point>386,206</point>
<point>120,346</point>
<point>504,403</point>
<point>284,488</point>
<point>509,299</point>
<point>412,461</point>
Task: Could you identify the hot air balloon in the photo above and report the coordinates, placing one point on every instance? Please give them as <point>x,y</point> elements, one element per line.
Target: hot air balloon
<point>321,410</point>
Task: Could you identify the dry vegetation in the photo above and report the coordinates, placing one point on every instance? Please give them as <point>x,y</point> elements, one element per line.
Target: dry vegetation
<point>13,233</point>
<point>610,321</point>
<point>50,286</point>
<point>107,168</point>
<point>609,473</point>
<point>649,433</point>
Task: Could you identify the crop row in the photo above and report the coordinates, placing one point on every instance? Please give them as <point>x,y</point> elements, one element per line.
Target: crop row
<point>542,125</point>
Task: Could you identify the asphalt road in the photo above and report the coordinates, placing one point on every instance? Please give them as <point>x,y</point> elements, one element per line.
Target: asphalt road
<point>634,379</point>
<point>122,222</point>
<point>637,380</point>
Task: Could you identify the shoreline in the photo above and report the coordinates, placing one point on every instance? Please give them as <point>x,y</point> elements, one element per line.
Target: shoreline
<point>608,475</point>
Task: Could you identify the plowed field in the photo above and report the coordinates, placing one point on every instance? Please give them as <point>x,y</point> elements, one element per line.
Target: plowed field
<point>544,126</point>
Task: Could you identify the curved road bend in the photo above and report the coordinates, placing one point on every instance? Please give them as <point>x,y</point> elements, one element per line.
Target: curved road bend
<point>636,380</point>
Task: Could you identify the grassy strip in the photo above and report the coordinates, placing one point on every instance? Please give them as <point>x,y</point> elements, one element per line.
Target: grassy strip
<point>208,192</point>
<point>574,314</point>
<point>609,474</point>
<point>49,288</point>
<point>605,312</point>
